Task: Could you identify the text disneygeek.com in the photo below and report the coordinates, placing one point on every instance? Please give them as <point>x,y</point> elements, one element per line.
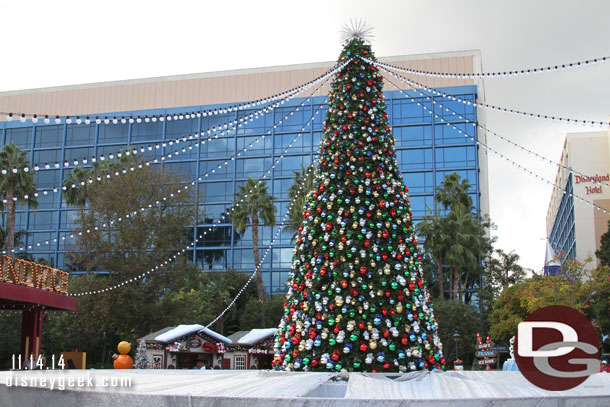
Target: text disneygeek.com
<point>62,383</point>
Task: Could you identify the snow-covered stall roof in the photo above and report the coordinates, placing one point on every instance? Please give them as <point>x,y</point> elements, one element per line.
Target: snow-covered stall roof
<point>184,330</point>
<point>178,332</point>
<point>215,335</point>
<point>256,335</point>
<point>152,336</point>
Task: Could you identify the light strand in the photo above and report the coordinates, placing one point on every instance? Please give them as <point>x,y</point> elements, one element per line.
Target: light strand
<point>519,72</point>
<point>134,213</point>
<point>87,119</point>
<point>415,85</point>
<point>478,142</point>
<point>559,119</point>
<point>238,122</point>
<point>193,245</point>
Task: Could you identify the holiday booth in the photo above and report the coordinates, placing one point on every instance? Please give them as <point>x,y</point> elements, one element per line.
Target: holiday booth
<point>184,346</point>
<point>250,349</point>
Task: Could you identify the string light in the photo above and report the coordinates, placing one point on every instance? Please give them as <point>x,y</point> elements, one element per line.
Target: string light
<point>505,74</point>
<point>565,120</point>
<point>184,188</point>
<point>78,119</point>
<point>565,191</point>
<point>238,122</point>
<point>415,85</point>
<point>193,245</point>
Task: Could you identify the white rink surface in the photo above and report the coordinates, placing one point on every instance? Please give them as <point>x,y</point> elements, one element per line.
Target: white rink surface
<point>152,388</point>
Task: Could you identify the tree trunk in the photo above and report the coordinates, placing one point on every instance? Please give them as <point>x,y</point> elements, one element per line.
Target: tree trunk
<point>259,277</point>
<point>440,279</point>
<point>10,216</point>
<point>451,284</point>
<point>456,282</point>
<point>463,284</point>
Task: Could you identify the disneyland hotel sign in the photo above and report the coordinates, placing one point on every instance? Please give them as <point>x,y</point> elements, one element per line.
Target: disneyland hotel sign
<point>592,179</point>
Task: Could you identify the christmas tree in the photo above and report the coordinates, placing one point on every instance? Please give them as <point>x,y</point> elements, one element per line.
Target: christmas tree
<point>141,357</point>
<point>357,300</point>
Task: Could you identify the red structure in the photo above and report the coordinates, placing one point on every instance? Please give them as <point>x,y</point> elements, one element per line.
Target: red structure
<point>33,288</point>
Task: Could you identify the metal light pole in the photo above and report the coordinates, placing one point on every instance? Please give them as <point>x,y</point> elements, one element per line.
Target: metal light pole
<point>103,348</point>
<point>456,339</point>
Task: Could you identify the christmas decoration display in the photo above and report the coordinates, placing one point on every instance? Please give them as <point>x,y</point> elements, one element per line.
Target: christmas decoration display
<point>141,357</point>
<point>123,361</point>
<point>357,300</point>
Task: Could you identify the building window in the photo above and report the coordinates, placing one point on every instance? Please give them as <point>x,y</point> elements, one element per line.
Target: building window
<point>240,362</point>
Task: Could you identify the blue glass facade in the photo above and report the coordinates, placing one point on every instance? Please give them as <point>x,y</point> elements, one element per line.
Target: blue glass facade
<point>563,234</point>
<point>427,150</point>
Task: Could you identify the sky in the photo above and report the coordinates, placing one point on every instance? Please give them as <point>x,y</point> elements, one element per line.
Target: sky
<point>71,42</point>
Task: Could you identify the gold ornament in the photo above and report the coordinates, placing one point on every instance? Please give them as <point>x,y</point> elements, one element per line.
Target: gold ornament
<point>373,345</point>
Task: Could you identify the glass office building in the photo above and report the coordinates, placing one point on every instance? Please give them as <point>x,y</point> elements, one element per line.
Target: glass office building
<point>427,150</point>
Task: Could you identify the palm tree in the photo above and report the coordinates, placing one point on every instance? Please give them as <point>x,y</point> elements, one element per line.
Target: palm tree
<point>15,184</point>
<point>77,196</point>
<point>458,239</point>
<point>463,229</point>
<point>253,204</point>
<point>452,193</point>
<point>220,291</point>
<point>298,193</point>
<point>436,243</point>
